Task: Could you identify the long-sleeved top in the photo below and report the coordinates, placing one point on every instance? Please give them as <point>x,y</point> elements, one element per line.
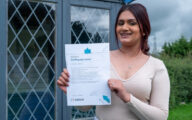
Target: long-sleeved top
<point>149,100</point>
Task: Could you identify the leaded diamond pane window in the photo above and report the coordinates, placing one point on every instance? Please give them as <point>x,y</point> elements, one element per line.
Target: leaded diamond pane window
<point>88,25</point>
<point>31,60</point>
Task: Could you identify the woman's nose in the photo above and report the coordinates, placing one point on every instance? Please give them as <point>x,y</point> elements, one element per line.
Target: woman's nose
<point>125,27</point>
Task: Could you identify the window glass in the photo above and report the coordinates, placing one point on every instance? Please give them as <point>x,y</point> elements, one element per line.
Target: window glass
<point>88,25</point>
<point>31,60</point>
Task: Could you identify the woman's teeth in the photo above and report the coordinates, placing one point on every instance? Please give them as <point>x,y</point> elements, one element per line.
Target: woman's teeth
<point>125,34</point>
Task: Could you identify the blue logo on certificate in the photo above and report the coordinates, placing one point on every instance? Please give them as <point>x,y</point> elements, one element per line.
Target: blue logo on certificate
<point>106,98</point>
<point>87,51</point>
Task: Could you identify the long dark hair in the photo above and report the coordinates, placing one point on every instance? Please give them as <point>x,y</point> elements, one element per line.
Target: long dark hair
<point>141,15</point>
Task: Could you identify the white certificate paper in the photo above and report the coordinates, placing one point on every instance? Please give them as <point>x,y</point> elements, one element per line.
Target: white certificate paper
<point>89,68</point>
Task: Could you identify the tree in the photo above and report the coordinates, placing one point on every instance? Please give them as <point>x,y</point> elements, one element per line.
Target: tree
<point>179,48</point>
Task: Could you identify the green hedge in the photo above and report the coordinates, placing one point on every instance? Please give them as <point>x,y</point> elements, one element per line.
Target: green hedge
<point>180,73</point>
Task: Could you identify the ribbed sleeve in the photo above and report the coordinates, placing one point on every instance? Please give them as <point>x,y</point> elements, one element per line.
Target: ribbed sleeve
<point>157,109</point>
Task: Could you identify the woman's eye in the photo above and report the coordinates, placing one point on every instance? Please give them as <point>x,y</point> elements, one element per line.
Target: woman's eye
<point>132,23</point>
<point>121,23</point>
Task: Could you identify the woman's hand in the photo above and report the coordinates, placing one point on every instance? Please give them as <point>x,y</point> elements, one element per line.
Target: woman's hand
<point>117,87</point>
<point>63,80</point>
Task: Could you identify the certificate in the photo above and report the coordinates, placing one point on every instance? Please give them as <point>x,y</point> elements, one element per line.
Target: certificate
<point>89,68</point>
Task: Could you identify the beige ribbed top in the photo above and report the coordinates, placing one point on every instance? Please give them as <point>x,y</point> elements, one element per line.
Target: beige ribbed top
<point>149,88</point>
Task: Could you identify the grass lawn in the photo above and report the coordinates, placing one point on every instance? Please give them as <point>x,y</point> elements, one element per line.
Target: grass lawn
<point>182,112</point>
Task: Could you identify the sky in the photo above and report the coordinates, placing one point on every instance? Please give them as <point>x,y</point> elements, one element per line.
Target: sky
<point>170,19</point>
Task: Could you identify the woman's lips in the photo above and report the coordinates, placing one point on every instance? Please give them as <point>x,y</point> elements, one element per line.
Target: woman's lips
<point>125,35</point>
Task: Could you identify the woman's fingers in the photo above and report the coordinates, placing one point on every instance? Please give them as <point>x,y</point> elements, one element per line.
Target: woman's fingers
<point>111,85</point>
<point>62,86</point>
<point>66,72</point>
<point>62,81</point>
<point>115,85</point>
<point>65,77</point>
<point>112,82</point>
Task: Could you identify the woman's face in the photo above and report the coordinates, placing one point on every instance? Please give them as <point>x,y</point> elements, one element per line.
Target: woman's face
<point>127,29</point>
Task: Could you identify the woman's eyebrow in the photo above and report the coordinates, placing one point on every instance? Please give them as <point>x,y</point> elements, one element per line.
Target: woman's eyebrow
<point>131,19</point>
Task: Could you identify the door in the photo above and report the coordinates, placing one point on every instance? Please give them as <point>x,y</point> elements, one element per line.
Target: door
<point>91,22</point>
<point>32,53</point>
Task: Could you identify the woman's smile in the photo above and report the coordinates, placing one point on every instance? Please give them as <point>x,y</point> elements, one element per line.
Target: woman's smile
<point>125,35</point>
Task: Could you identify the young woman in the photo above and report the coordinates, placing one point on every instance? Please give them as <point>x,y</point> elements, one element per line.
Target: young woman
<point>139,82</point>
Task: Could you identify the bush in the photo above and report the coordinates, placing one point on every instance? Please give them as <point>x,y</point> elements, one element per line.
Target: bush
<point>180,73</point>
